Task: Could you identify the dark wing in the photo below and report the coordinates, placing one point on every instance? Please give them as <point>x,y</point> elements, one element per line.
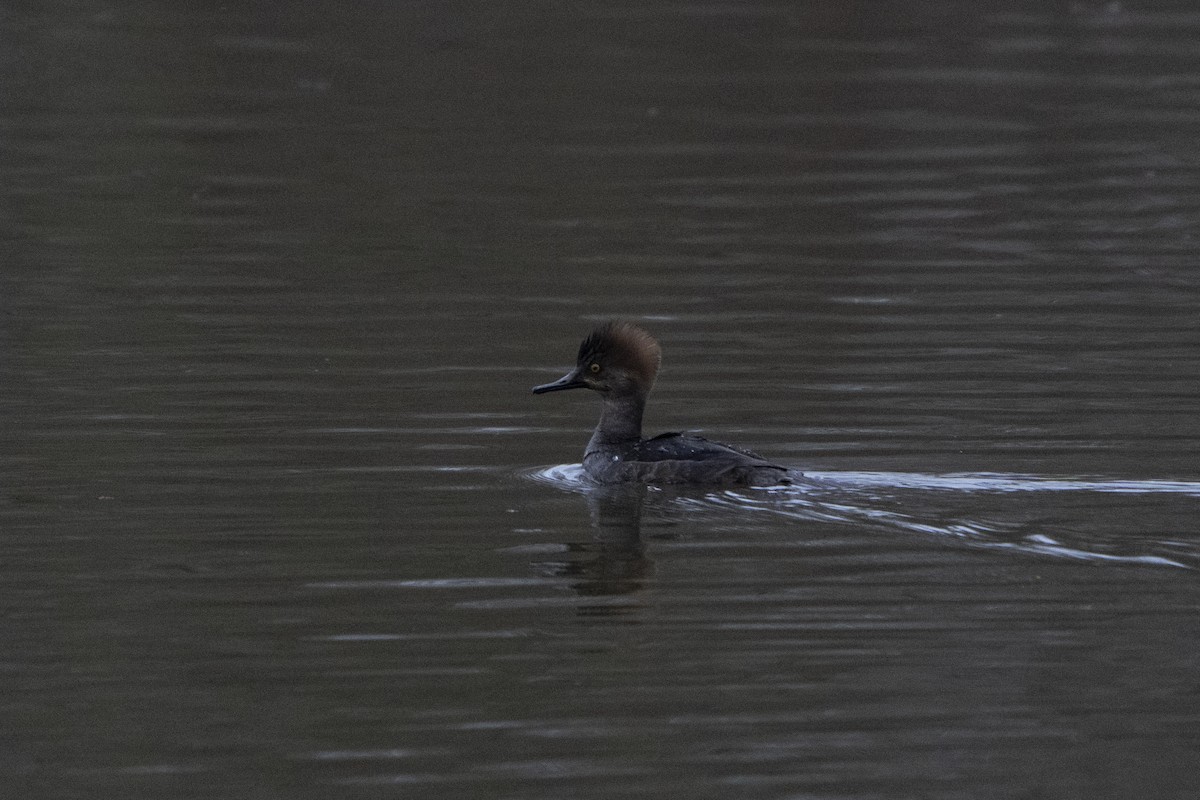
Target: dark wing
<point>690,447</point>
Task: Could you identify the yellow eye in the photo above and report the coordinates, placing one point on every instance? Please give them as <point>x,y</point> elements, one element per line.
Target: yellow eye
<point>594,368</point>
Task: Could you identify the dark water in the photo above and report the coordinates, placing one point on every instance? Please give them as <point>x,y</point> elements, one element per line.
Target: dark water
<point>278,517</point>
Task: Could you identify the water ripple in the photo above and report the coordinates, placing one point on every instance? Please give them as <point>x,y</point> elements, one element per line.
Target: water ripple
<point>867,497</point>
<point>1001,482</point>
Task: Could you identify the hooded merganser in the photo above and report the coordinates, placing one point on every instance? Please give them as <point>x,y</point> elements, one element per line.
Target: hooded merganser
<point>620,361</point>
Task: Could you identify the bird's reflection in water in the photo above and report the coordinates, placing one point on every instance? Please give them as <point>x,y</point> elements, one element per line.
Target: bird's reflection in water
<point>614,563</point>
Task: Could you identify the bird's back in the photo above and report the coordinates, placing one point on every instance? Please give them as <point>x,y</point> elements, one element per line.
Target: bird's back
<point>684,458</point>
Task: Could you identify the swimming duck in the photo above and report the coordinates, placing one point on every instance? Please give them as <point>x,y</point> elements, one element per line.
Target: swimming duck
<point>620,361</point>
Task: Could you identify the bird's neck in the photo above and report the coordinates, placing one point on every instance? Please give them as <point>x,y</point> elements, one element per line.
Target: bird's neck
<point>620,420</point>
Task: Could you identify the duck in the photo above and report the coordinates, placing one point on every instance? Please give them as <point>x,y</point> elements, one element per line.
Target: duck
<point>620,361</point>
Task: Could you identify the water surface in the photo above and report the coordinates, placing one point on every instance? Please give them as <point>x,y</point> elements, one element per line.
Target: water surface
<point>280,517</point>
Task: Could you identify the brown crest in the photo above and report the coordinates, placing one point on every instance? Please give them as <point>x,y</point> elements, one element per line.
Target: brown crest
<point>624,345</point>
